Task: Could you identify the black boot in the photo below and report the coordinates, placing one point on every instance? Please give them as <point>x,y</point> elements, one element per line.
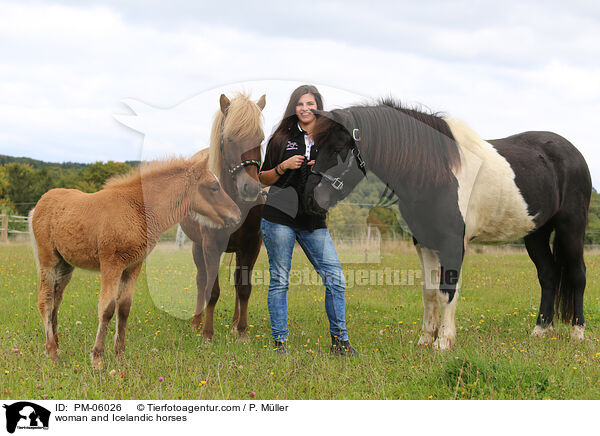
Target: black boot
<point>342,348</point>
<point>281,347</point>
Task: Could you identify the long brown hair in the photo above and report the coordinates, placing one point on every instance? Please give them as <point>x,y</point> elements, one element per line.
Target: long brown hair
<point>276,145</point>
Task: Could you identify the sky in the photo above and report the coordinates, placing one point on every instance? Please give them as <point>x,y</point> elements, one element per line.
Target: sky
<point>123,80</point>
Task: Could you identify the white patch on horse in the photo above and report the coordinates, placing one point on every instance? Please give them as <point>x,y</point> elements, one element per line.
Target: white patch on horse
<point>541,332</point>
<point>447,331</point>
<point>431,282</point>
<point>205,221</point>
<point>578,333</point>
<point>442,335</point>
<point>490,202</point>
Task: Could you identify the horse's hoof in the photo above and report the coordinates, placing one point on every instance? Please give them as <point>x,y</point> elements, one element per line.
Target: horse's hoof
<point>243,337</point>
<point>97,362</point>
<point>426,339</point>
<point>53,355</point>
<point>540,332</point>
<point>443,343</point>
<point>578,333</point>
<point>206,343</point>
<point>196,322</point>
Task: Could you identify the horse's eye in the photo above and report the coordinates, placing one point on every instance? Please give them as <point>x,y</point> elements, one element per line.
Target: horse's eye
<point>216,188</point>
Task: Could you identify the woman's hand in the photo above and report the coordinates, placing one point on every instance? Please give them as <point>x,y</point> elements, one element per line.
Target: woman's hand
<point>293,163</point>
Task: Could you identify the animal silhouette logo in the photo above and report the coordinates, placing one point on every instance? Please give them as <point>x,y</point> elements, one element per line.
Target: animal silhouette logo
<point>26,415</point>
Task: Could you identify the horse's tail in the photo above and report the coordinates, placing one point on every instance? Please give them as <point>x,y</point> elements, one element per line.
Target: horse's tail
<point>564,297</point>
<point>32,239</point>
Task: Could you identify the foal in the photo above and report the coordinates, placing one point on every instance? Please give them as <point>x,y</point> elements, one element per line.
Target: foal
<point>113,230</point>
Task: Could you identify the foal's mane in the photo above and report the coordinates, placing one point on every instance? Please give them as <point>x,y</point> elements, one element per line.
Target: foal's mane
<point>149,170</point>
<point>407,142</point>
<point>243,120</point>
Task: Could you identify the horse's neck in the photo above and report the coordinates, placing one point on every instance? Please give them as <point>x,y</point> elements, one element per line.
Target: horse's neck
<point>163,207</point>
<point>373,163</point>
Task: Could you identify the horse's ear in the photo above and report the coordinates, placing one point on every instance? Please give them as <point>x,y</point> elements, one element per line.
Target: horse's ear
<point>199,164</point>
<point>224,103</point>
<point>261,102</point>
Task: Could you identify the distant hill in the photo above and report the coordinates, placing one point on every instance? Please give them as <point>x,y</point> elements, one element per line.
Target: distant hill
<point>37,164</point>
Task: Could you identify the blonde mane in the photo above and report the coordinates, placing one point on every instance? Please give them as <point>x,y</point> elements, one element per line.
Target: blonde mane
<point>148,170</point>
<point>243,120</point>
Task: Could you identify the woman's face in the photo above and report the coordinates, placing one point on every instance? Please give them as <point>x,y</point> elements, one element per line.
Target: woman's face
<point>303,109</point>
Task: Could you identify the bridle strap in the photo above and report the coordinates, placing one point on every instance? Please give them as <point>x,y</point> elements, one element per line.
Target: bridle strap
<point>237,168</point>
<point>356,135</point>
<point>337,183</point>
<point>234,169</point>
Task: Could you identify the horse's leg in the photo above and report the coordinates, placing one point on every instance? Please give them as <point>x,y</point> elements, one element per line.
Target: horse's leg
<point>208,330</point>
<point>110,277</point>
<point>538,248</point>
<point>201,285</point>
<point>63,272</point>
<point>431,273</point>
<point>55,274</point>
<point>236,313</point>
<point>46,308</point>
<point>569,251</point>
<point>214,245</point>
<point>451,258</point>
<point>447,332</point>
<point>245,261</point>
<point>124,299</point>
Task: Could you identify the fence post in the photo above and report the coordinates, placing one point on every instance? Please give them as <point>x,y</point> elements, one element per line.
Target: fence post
<point>179,237</point>
<point>4,229</point>
<point>367,244</point>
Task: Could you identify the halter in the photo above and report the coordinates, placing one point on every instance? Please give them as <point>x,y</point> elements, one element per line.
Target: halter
<point>237,168</point>
<point>356,136</point>
<point>337,183</point>
<point>234,169</point>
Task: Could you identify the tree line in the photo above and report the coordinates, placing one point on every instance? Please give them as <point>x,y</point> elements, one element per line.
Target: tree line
<point>23,181</point>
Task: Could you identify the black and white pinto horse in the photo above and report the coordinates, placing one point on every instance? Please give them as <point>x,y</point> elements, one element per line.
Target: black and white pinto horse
<point>454,187</point>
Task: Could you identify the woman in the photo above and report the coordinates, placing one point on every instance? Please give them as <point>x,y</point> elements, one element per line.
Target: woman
<point>289,156</point>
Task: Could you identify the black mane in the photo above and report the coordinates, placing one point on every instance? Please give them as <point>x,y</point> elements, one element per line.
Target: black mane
<point>432,119</point>
<point>416,146</point>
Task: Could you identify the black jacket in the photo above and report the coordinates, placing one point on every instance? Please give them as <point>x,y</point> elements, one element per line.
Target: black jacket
<point>284,201</point>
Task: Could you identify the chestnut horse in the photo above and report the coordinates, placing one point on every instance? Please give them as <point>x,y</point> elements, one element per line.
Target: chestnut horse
<point>235,158</point>
<point>113,230</point>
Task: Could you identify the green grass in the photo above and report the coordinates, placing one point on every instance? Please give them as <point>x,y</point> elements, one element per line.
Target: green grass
<point>495,357</point>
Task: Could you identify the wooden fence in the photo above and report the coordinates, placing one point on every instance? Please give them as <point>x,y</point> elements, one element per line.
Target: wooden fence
<point>6,220</point>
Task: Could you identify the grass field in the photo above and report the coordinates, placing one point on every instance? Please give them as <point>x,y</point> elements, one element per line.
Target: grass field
<point>495,357</point>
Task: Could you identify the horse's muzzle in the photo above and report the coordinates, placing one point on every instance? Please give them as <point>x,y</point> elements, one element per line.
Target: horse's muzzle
<point>233,220</point>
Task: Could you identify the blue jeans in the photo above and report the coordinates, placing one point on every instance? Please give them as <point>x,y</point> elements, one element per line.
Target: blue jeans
<point>318,247</point>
